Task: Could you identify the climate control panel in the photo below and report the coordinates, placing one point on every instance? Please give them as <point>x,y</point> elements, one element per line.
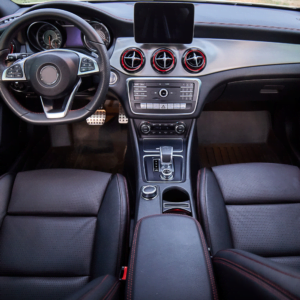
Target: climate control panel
<point>176,128</point>
<point>163,96</point>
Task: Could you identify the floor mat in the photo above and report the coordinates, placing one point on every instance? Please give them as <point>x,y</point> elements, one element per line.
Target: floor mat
<point>232,137</point>
<point>224,154</point>
<point>99,148</point>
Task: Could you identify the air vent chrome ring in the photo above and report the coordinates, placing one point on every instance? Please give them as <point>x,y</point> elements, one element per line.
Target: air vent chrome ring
<point>163,60</point>
<point>194,60</point>
<point>132,60</point>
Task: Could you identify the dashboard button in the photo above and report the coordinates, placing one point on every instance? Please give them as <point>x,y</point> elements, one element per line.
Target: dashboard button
<point>149,106</point>
<point>143,106</point>
<point>176,105</point>
<point>163,106</point>
<point>156,105</point>
<point>170,106</point>
<point>182,105</point>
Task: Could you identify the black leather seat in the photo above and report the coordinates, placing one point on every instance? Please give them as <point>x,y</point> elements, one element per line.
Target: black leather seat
<point>63,234</point>
<point>253,210</point>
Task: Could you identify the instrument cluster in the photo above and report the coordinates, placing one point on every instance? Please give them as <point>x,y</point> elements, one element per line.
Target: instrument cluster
<point>54,35</point>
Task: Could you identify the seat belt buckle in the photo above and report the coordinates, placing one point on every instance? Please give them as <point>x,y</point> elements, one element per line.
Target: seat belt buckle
<point>123,273</point>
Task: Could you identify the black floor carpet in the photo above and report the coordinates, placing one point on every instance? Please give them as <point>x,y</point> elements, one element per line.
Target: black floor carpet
<point>224,154</point>
<point>99,148</point>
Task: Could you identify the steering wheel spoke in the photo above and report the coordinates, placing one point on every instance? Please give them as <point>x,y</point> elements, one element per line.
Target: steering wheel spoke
<point>51,112</point>
<point>15,72</point>
<point>87,65</point>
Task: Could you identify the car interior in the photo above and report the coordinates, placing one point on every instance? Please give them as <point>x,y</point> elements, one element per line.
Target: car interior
<point>149,150</point>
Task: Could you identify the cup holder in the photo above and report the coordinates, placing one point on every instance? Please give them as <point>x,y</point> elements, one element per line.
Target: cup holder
<point>176,201</point>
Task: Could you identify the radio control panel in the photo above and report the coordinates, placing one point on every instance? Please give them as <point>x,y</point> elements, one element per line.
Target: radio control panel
<point>163,96</point>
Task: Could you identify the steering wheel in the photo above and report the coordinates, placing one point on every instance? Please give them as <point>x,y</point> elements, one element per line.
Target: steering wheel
<point>54,74</point>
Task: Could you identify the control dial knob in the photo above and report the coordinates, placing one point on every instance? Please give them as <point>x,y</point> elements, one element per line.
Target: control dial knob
<point>149,192</point>
<point>180,128</point>
<point>163,93</point>
<point>145,128</point>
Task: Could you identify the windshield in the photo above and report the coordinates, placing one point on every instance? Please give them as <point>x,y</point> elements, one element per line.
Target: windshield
<point>285,3</point>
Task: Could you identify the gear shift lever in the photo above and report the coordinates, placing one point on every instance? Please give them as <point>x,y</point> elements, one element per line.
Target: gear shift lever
<point>166,155</point>
<point>166,162</point>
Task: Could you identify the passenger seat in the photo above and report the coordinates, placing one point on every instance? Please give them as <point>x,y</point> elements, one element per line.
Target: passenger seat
<point>252,213</point>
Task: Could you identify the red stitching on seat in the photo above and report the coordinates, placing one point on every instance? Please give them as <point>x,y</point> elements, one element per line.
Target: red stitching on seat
<point>219,260</point>
<point>84,296</point>
<point>198,195</point>
<point>270,289</point>
<point>208,262</point>
<point>236,253</point>
<point>117,287</point>
<point>107,294</point>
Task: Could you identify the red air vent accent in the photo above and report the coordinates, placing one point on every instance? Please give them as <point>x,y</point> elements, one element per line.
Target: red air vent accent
<point>132,60</point>
<point>163,61</point>
<point>193,60</point>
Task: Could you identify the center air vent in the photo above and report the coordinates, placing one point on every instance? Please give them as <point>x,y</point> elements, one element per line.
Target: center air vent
<point>163,61</point>
<point>193,60</point>
<point>132,60</point>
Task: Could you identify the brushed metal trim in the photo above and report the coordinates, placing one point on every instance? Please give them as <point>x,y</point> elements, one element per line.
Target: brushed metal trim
<point>197,91</point>
<point>163,181</point>
<point>221,55</point>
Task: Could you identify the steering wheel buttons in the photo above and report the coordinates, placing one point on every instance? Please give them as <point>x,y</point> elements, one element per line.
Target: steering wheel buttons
<point>87,65</point>
<point>15,71</point>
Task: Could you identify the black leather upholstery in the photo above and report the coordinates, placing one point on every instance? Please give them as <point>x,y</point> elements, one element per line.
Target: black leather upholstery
<point>169,260</point>
<point>253,207</point>
<point>62,232</point>
<point>242,275</point>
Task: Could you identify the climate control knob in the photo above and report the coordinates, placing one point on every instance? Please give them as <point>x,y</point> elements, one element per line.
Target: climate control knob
<point>145,128</point>
<point>180,128</point>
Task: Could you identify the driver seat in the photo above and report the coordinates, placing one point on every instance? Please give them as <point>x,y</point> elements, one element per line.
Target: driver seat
<point>63,234</point>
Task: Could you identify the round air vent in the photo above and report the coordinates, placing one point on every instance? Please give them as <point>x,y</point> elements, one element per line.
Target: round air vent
<point>193,60</point>
<point>163,61</point>
<point>132,60</point>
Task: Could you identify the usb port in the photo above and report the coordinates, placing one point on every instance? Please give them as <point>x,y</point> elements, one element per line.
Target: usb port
<point>156,165</point>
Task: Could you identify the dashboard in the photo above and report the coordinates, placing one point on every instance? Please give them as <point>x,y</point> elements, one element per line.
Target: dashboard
<point>231,45</point>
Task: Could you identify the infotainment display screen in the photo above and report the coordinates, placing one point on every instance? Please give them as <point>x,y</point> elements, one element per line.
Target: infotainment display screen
<point>163,23</point>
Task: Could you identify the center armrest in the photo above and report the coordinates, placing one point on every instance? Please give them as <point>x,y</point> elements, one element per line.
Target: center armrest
<point>169,260</point>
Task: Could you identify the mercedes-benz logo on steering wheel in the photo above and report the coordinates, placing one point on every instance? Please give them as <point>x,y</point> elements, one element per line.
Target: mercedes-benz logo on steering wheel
<point>49,75</point>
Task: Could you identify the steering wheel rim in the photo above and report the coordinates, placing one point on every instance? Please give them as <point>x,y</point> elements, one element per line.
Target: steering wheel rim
<point>102,63</point>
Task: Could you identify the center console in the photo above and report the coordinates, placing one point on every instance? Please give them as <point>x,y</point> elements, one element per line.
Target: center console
<point>163,96</point>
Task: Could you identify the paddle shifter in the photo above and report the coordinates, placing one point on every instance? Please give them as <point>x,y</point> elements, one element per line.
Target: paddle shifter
<point>166,163</point>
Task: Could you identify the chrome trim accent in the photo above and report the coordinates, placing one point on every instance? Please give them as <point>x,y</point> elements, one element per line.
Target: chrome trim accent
<point>22,63</point>
<point>84,37</point>
<point>143,191</point>
<point>61,114</point>
<point>157,155</point>
<point>221,55</point>
<point>158,149</point>
<point>196,91</point>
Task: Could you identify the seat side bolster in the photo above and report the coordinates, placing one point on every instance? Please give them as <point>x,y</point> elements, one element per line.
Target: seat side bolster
<point>213,213</point>
<point>104,287</point>
<point>6,184</point>
<point>257,277</point>
<point>111,238</point>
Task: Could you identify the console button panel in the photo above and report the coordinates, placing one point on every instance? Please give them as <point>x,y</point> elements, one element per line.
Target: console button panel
<point>163,96</point>
<point>151,128</point>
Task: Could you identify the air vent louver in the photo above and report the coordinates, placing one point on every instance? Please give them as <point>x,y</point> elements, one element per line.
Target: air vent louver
<point>132,60</point>
<point>163,61</point>
<point>193,60</point>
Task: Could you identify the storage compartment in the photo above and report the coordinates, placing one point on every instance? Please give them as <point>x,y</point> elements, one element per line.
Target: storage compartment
<point>169,260</point>
<point>176,201</point>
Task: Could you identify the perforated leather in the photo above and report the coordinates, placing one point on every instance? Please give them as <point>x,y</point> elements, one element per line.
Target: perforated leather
<point>252,207</point>
<point>61,229</point>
